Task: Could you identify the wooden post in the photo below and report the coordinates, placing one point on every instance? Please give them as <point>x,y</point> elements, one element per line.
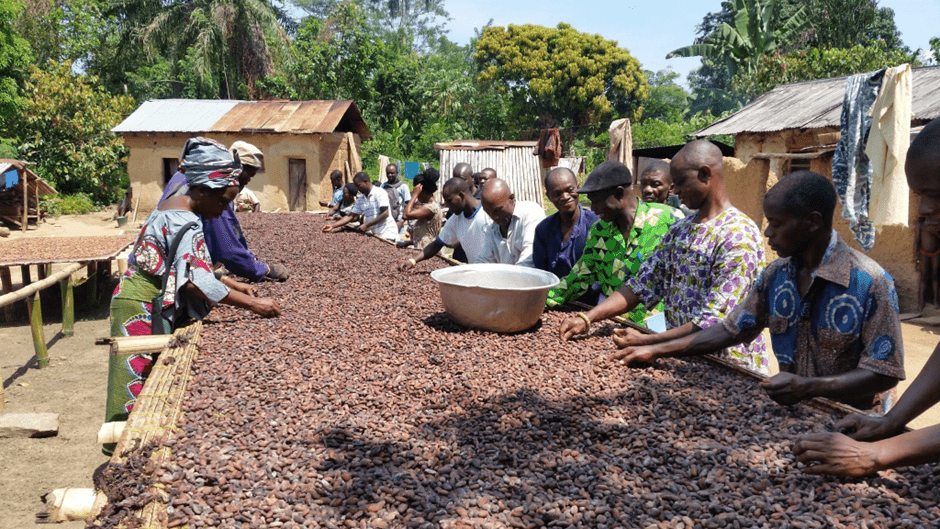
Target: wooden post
<point>92,281</point>
<point>3,403</point>
<point>68,305</point>
<point>7,283</point>
<point>24,271</point>
<point>35,325</point>
<point>24,179</point>
<point>43,270</point>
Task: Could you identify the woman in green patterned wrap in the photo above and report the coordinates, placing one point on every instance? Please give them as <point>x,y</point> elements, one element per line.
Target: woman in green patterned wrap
<point>629,231</point>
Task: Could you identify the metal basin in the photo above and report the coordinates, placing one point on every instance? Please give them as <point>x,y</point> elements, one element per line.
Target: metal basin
<point>494,297</point>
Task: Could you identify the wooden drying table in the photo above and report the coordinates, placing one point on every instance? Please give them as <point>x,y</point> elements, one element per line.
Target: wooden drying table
<point>43,252</point>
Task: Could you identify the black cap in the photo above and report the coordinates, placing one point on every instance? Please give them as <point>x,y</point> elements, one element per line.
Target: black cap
<point>607,175</point>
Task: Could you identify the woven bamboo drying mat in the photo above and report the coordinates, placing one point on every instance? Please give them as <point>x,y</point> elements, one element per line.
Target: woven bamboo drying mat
<point>157,412</point>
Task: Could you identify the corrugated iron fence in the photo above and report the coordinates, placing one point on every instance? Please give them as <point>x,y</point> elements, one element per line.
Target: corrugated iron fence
<point>515,165</point>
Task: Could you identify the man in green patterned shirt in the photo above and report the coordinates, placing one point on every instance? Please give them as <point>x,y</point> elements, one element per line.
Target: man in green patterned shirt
<point>628,232</point>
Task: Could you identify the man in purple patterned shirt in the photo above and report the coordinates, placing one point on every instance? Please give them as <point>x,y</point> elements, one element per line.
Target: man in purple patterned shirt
<point>703,267</point>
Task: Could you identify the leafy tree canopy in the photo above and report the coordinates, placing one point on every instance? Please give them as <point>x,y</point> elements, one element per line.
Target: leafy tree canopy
<point>64,126</point>
<point>819,63</point>
<point>15,57</point>
<point>406,25</point>
<point>59,30</point>
<point>560,75</point>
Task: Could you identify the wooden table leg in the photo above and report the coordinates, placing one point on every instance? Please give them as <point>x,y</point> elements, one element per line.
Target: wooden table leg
<point>35,325</point>
<point>92,270</point>
<point>7,283</point>
<point>68,306</point>
<point>43,270</point>
<point>27,278</point>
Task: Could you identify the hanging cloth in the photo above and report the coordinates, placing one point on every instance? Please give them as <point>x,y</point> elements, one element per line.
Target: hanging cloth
<point>549,147</point>
<point>851,169</point>
<point>887,145</point>
<point>621,142</point>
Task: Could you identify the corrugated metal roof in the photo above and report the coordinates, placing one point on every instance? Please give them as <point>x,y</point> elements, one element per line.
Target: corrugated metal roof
<point>818,104</point>
<point>176,115</point>
<point>480,145</point>
<point>208,116</point>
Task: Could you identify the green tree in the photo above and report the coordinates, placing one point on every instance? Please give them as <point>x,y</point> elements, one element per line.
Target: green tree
<point>667,101</point>
<point>191,48</point>
<point>59,30</point>
<point>756,31</point>
<point>560,76</point>
<point>819,63</point>
<point>407,25</point>
<point>935,49</point>
<point>333,58</point>
<point>15,57</point>
<point>844,24</point>
<point>64,127</point>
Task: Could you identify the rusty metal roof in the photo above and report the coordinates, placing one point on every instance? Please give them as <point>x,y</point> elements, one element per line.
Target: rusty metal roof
<point>818,104</point>
<point>32,179</point>
<point>208,116</point>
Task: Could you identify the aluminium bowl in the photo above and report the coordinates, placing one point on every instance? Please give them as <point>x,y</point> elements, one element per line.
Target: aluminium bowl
<point>494,297</point>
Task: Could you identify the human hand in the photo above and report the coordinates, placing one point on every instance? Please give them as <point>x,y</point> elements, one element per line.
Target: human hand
<point>863,427</point>
<point>327,229</point>
<point>627,337</point>
<point>265,307</point>
<point>836,454</point>
<point>407,265</point>
<point>278,272</point>
<point>363,228</point>
<point>786,388</point>
<point>639,356</point>
<point>572,327</point>
<point>417,190</point>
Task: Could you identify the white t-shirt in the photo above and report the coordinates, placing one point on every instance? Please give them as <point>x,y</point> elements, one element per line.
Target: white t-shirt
<point>470,233</point>
<point>370,206</point>
<point>516,247</point>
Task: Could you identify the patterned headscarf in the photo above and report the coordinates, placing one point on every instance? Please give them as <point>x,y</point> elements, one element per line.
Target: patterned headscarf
<point>208,163</point>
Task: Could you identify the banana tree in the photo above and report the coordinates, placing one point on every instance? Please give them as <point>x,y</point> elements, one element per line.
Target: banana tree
<point>757,31</point>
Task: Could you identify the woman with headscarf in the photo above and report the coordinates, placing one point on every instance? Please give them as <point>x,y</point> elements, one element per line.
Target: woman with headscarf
<point>183,279</point>
<point>424,210</point>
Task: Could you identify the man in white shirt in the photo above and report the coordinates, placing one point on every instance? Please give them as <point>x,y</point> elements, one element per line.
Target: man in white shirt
<point>467,225</point>
<point>510,238</point>
<point>372,208</point>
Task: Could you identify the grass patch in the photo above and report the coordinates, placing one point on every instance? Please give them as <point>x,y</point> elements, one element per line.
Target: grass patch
<point>77,204</point>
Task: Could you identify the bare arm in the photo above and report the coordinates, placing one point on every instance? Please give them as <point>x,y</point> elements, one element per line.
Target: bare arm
<point>429,251</point>
<point>623,300</point>
<point>689,343</point>
<point>787,388</point>
<point>383,214</point>
<point>838,454</point>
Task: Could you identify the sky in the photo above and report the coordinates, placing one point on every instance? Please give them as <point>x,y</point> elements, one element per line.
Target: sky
<point>649,29</point>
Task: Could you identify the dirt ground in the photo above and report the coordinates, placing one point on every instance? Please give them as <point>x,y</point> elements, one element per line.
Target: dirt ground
<point>74,387</point>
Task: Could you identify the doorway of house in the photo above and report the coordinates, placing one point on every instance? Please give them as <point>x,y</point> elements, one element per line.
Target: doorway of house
<point>297,174</point>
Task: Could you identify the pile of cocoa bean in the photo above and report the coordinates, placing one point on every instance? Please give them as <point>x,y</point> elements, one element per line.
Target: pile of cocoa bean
<point>364,405</point>
<point>62,249</point>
